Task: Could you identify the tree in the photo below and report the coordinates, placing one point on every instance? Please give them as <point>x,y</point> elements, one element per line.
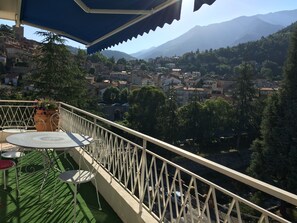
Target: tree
<point>145,105</point>
<point>97,57</point>
<point>190,121</point>
<point>92,70</point>
<point>243,97</point>
<point>274,156</point>
<point>220,116</point>
<point>143,66</point>
<point>267,73</point>
<point>5,30</point>
<point>57,73</point>
<point>124,95</point>
<point>168,119</point>
<point>203,122</point>
<point>258,105</point>
<point>122,61</point>
<point>111,95</point>
<point>81,58</point>
<point>2,68</point>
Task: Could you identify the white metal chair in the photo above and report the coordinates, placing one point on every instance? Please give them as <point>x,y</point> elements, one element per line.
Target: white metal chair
<point>80,176</point>
<point>13,127</point>
<point>12,154</point>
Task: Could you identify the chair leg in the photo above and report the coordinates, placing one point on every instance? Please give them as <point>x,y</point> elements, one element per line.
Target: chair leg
<point>54,196</point>
<point>75,202</point>
<point>98,199</point>
<point>18,166</point>
<point>4,179</point>
<point>45,176</point>
<point>17,181</point>
<point>19,163</point>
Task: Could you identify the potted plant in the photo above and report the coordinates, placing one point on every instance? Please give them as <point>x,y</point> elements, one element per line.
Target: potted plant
<point>46,115</point>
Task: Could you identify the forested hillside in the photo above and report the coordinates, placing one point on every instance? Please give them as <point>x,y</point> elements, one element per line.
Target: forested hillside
<point>268,55</point>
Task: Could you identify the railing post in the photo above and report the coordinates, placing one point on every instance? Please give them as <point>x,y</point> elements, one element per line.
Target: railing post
<point>94,127</point>
<point>71,120</point>
<point>59,113</point>
<point>142,175</point>
<point>95,137</point>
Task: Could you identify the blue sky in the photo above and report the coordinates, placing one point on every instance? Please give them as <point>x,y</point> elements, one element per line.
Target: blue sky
<point>221,10</point>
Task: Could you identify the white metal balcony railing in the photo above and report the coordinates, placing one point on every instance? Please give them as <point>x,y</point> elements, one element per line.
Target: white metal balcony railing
<point>169,192</point>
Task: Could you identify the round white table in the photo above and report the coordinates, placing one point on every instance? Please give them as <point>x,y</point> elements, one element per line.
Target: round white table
<point>49,140</point>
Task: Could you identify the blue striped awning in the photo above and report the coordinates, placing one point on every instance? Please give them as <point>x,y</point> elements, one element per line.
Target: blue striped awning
<point>99,24</point>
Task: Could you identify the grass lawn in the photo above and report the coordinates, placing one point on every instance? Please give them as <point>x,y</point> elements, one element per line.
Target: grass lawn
<point>28,208</point>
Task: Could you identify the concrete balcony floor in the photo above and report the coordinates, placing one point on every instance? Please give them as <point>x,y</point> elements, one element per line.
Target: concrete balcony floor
<point>28,208</point>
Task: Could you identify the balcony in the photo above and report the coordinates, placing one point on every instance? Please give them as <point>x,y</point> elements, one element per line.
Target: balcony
<point>139,182</point>
<point>29,207</point>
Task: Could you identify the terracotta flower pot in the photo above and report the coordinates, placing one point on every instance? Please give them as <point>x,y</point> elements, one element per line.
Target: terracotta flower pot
<point>46,120</point>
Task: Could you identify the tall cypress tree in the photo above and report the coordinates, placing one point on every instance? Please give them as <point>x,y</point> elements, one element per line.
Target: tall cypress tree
<point>56,73</point>
<point>275,154</point>
<point>243,97</point>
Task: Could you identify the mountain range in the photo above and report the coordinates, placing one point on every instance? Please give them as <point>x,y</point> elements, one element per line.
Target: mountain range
<point>108,53</point>
<point>117,54</point>
<point>229,33</point>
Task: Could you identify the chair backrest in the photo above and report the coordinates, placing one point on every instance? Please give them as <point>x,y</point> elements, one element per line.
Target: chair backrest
<point>54,122</point>
<point>14,124</point>
<point>47,122</point>
<point>11,127</point>
<point>91,151</point>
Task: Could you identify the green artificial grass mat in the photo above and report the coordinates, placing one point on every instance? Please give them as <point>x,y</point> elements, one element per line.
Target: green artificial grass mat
<point>29,207</point>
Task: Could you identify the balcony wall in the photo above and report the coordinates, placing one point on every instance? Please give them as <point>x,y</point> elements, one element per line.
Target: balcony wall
<point>135,173</point>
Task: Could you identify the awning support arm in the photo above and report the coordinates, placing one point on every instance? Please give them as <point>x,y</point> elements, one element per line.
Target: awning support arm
<point>134,21</point>
<point>87,9</point>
